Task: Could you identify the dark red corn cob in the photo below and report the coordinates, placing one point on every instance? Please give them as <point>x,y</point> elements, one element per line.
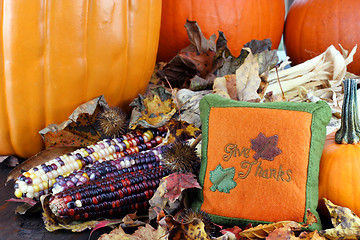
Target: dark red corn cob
<point>108,197</point>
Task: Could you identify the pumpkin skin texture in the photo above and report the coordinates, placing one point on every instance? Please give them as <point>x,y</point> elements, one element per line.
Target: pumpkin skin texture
<point>240,20</point>
<point>58,54</point>
<point>339,174</point>
<point>340,161</point>
<point>311,26</point>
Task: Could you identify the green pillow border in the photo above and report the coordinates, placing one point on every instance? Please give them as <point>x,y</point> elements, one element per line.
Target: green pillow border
<point>321,115</point>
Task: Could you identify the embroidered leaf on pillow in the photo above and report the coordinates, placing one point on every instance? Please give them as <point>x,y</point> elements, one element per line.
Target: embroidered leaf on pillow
<point>265,147</point>
<point>222,179</point>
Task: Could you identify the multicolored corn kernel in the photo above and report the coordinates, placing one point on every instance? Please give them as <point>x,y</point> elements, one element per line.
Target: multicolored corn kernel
<point>138,161</point>
<point>108,197</point>
<point>44,175</point>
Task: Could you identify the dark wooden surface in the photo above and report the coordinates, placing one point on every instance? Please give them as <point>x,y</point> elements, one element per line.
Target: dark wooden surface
<point>29,226</point>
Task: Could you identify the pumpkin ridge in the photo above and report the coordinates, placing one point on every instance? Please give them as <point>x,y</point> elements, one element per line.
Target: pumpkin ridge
<point>5,147</point>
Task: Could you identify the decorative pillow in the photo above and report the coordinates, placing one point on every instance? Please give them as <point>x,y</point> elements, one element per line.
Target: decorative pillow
<point>260,161</point>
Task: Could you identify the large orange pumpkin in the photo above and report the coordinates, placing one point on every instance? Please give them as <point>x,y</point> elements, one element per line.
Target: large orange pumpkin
<point>58,54</point>
<point>240,20</point>
<point>340,161</point>
<point>311,26</point>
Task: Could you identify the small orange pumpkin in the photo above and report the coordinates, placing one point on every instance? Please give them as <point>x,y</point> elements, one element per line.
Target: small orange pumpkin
<point>240,20</point>
<point>311,26</point>
<point>340,161</point>
<point>58,54</point>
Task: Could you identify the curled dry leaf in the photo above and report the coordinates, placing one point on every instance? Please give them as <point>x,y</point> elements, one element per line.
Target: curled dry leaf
<point>10,161</point>
<point>189,105</point>
<point>194,66</point>
<point>346,223</point>
<point>80,130</point>
<point>262,231</point>
<point>168,195</point>
<point>143,233</point>
<point>29,205</point>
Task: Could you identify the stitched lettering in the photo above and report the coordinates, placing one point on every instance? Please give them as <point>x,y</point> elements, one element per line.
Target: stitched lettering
<point>279,174</point>
<point>248,165</point>
<point>232,150</point>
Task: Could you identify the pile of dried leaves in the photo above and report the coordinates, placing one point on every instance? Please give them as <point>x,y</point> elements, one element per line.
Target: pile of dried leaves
<point>172,99</point>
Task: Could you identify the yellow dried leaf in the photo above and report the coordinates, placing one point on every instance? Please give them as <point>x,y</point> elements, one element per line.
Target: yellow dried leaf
<point>262,231</point>
<point>346,223</point>
<point>248,80</point>
<point>181,131</point>
<point>153,111</point>
<point>117,234</point>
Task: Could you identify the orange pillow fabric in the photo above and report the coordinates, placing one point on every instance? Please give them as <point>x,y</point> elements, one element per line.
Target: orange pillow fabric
<point>260,161</point>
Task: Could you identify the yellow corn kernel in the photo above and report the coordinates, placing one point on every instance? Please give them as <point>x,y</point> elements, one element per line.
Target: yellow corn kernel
<point>36,188</point>
<point>85,175</point>
<point>26,174</point>
<point>96,155</point>
<point>46,185</point>
<point>84,152</point>
<point>18,193</point>
<point>79,163</point>
<point>32,175</point>
<point>126,143</point>
<point>150,134</point>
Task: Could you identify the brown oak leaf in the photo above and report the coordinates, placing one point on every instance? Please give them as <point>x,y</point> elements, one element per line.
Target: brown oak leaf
<point>265,147</point>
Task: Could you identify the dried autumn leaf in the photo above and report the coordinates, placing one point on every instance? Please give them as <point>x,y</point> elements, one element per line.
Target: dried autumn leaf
<point>80,130</point>
<point>286,233</point>
<point>248,80</point>
<point>311,236</point>
<point>181,131</point>
<point>10,161</point>
<point>177,183</point>
<point>188,231</point>
<point>189,105</point>
<point>153,111</point>
<point>194,66</point>
<point>258,46</point>
<point>150,233</point>
<point>262,231</point>
<point>281,233</point>
<point>346,223</point>
<point>159,202</point>
<point>236,231</point>
<point>38,159</point>
<point>169,193</point>
<point>226,87</point>
<point>116,234</point>
<point>142,233</point>
<point>29,205</point>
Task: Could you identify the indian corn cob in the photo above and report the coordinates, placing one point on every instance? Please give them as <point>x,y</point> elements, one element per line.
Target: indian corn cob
<point>139,161</point>
<point>108,197</point>
<point>38,180</point>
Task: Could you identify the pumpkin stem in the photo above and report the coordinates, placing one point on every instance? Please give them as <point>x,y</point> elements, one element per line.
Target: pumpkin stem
<point>349,132</point>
